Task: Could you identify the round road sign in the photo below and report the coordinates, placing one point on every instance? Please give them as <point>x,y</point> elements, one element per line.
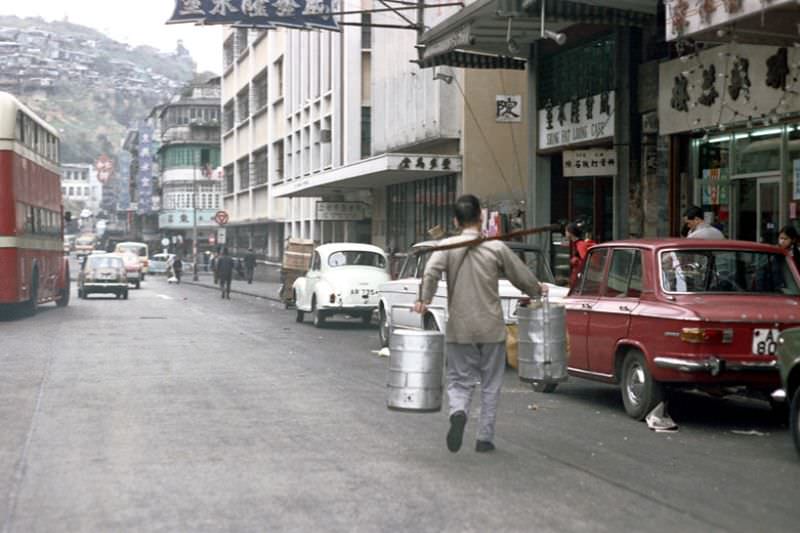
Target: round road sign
<point>164,242</point>
<point>221,217</point>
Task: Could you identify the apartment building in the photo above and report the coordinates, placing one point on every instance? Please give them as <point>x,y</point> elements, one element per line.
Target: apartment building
<point>188,149</point>
<point>341,136</point>
<point>80,187</point>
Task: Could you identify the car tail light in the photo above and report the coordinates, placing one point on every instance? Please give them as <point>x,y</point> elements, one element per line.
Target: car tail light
<point>709,335</point>
<point>333,298</point>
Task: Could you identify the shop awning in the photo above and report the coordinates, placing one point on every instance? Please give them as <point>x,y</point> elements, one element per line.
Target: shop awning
<point>375,172</point>
<point>481,28</point>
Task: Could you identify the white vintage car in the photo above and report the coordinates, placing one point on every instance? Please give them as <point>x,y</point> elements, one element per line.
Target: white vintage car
<point>343,280</point>
<point>397,297</point>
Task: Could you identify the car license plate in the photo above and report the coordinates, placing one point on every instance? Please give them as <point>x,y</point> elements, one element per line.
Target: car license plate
<point>765,341</point>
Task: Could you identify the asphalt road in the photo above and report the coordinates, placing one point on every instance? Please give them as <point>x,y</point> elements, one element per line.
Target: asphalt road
<point>178,411</point>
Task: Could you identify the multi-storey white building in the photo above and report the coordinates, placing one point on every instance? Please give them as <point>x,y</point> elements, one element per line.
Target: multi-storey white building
<point>340,136</point>
<point>80,186</point>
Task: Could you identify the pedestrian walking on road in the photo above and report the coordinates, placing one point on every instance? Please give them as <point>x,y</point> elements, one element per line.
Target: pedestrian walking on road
<point>249,265</point>
<point>206,260</point>
<point>225,273</point>
<point>177,268</point>
<point>476,333</point>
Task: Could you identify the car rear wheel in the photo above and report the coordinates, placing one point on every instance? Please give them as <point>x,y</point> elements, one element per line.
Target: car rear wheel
<point>640,392</point>
<point>299,316</point>
<point>794,419</point>
<point>125,295</point>
<point>317,317</point>
<point>546,388</point>
<point>384,328</point>
<point>137,284</point>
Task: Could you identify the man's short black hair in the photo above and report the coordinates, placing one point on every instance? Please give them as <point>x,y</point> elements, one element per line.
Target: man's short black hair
<point>693,212</point>
<point>467,210</point>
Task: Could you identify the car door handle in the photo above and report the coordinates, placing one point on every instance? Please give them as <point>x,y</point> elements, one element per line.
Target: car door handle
<point>586,306</point>
<point>625,308</point>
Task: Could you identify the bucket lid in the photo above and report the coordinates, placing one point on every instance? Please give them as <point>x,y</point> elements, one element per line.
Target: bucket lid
<point>417,333</point>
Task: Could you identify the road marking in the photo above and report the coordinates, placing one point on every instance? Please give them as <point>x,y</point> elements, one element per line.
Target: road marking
<point>165,297</point>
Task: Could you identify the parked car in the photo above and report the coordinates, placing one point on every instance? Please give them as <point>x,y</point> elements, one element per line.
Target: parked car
<point>140,249</point>
<point>398,296</point>
<point>343,280</point>
<point>103,273</point>
<point>159,262</point>
<point>133,267</point>
<point>652,314</point>
<point>789,364</point>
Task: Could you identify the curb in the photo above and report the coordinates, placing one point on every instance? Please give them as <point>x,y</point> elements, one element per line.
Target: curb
<point>233,291</point>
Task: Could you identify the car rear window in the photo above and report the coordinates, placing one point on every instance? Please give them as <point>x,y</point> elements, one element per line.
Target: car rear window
<point>99,261</point>
<point>138,249</point>
<point>356,258</point>
<point>726,271</point>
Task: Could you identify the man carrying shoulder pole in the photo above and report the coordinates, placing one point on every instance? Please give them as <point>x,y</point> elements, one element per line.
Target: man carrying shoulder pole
<point>476,349</point>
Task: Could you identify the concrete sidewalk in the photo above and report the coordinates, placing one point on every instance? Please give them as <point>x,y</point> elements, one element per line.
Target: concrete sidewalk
<point>260,289</point>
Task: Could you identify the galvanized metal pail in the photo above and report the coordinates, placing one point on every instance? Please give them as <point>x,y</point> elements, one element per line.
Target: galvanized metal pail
<point>416,367</point>
<point>542,343</point>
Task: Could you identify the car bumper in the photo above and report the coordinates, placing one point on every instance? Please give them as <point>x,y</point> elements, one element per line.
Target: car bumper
<point>113,286</point>
<point>133,276</point>
<point>345,309</point>
<point>714,365</point>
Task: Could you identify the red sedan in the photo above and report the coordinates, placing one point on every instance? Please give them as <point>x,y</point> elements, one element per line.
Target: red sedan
<point>650,314</point>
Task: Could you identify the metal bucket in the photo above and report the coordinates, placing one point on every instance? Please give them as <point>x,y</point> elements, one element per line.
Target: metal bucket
<point>542,343</point>
<point>416,367</point>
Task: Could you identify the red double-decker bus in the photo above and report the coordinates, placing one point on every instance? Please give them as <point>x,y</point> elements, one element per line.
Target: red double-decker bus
<point>33,269</point>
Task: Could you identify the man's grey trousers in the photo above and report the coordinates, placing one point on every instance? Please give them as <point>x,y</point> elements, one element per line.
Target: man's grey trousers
<point>469,364</point>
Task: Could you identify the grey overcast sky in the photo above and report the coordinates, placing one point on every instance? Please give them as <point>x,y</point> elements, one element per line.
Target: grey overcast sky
<point>134,22</point>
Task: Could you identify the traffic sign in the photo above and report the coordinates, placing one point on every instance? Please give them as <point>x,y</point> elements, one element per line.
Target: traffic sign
<point>165,242</point>
<point>222,217</point>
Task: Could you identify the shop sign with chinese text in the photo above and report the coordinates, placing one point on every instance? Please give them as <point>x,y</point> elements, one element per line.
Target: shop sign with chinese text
<point>341,211</point>
<point>687,17</point>
<point>256,13</point>
<point>577,121</point>
<point>592,162</point>
<point>508,108</point>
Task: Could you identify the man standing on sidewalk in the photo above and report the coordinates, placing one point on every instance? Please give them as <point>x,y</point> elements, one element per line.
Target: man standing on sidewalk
<point>225,273</point>
<point>476,333</point>
<point>249,265</point>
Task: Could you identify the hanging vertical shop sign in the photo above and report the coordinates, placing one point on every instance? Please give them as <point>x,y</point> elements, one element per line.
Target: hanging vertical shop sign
<point>576,122</point>
<point>257,13</point>
<point>145,178</point>
<point>796,174</point>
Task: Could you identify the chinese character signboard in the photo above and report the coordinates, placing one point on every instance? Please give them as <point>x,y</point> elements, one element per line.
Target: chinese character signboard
<point>594,162</point>
<point>687,17</point>
<point>508,108</point>
<point>577,121</point>
<point>145,178</point>
<point>341,211</point>
<point>257,13</point>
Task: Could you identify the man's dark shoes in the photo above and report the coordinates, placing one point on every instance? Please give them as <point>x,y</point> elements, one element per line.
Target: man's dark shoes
<point>456,434</point>
<point>484,446</point>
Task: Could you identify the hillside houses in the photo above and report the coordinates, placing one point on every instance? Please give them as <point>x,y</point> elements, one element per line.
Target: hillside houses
<point>35,60</point>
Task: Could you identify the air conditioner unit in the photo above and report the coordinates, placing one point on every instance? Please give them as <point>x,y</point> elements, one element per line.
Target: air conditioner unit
<point>324,136</point>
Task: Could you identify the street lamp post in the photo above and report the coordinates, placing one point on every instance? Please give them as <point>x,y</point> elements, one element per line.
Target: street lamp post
<point>194,223</point>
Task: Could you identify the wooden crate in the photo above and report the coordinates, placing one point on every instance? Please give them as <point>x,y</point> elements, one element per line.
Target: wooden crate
<point>297,255</point>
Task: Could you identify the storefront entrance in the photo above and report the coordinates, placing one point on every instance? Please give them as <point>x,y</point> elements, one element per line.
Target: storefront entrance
<point>591,202</point>
<point>756,213</point>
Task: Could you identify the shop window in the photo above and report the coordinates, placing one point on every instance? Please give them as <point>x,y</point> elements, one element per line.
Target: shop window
<point>578,72</point>
<point>757,151</point>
